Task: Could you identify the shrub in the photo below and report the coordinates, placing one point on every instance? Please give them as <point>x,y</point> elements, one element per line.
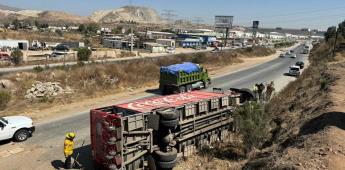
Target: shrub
<point>17,56</point>
<point>5,97</point>
<point>252,122</point>
<point>38,69</point>
<point>84,54</point>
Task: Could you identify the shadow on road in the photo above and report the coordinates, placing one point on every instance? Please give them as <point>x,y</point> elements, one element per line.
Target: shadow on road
<point>4,142</point>
<point>57,164</point>
<point>336,119</point>
<point>154,91</point>
<point>84,159</point>
<point>289,75</point>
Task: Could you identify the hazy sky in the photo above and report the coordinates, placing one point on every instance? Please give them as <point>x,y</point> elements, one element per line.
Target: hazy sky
<point>272,13</point>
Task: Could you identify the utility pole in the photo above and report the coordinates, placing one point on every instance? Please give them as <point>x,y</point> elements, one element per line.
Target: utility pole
<point>132,39</point>
<point>335,42</point>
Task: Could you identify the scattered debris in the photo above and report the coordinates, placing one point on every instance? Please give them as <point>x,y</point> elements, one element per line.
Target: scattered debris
<point>48,89</point>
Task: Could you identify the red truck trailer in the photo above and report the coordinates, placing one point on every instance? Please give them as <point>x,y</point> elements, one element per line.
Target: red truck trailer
<point>152,133</point>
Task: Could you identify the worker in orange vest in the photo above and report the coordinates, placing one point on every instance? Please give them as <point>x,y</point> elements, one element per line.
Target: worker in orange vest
<point>68,149</point>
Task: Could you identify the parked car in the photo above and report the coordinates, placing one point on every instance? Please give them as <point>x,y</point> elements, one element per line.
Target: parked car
<point>300,64</point>
<point>19,128</point>
<point>4,56</point>
<point>170,50</point>
<point>62,47</point>
<point>294,71</point>
<point>282,55</point>
<point>293,56</point>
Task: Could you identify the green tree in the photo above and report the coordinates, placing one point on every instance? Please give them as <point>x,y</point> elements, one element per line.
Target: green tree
<point>59,32</point>
<point>82,28</point>
<point>17,56</point>
<point>330,33</point>
<point>16,24</point>
<point>84,54</point>
<point>92,28</point>
<point>37,24</point>
<point>341,29</point>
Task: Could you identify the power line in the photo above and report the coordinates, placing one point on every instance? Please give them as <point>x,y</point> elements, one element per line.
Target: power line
<point>198,21</point>
<point>169,15</point>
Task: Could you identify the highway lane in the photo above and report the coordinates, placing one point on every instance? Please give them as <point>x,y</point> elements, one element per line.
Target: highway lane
<point>49,136</point>
<point>266,72</point>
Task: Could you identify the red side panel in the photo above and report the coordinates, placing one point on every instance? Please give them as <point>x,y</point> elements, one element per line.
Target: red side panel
<point>105,137</point>
<point>149,104</point>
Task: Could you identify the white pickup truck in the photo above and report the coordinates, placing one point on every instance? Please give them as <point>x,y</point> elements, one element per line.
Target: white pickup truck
<point>18,128</point>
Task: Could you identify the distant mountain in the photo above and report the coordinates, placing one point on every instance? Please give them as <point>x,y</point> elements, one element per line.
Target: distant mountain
<point>4,7</point>
<point>128,13</point>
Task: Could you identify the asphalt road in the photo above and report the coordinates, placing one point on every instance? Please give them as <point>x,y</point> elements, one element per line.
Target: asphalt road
<point>51,135</point>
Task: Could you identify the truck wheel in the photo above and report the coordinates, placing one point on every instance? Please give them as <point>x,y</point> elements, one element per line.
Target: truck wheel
<point>205,84</point>
<point>162,89</point>
<point>169,123</point>
<point>189,88</point>
<point>166,165</point>
<point>21,135</point>
<point>166,156</point>
<point>168,115</point>
<point>182,89</point>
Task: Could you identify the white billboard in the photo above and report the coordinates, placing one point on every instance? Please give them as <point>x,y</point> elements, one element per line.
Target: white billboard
<point>223,21</point>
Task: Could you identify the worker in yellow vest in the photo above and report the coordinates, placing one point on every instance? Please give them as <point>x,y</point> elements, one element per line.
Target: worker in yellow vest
<point>68,149</point>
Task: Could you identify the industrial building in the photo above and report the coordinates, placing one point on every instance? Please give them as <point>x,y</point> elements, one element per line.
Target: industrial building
<point>21,44</point>
<point>154,47</point>
<point>167,42</point>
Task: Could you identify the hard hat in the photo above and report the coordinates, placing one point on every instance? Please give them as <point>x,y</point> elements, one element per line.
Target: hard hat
<point>70,135</point>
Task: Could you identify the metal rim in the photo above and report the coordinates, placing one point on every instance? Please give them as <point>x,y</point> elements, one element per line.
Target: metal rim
<point>22,136</point>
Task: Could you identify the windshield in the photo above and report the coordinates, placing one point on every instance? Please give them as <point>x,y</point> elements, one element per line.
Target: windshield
<point>3,120</point>
<point>295,69</point>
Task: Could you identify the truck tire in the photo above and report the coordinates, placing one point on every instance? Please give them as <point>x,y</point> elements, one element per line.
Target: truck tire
<point>182,89</point>
<point>169,123</point>
<point>170,115</point>
<point>21,135</point>
<point>166,156</point>
<point>162,89</point>
<point>166,165</point>
<point>205,84</point>
<point>189,88</point>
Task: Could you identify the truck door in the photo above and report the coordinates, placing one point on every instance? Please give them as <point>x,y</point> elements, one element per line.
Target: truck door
<point>5,131</point>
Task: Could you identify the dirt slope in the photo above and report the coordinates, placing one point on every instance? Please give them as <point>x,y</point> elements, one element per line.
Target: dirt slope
<point>127,13</point>
<point>309,120</point>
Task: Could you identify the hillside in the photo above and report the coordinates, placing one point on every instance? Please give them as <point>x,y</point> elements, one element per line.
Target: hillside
<point>127,13</point>
<point>5,7</point>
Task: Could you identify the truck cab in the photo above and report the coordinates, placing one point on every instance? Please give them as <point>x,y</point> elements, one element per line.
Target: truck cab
<point>19,128</point>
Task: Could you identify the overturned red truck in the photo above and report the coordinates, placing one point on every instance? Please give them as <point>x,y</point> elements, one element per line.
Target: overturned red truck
<point>152,133</point>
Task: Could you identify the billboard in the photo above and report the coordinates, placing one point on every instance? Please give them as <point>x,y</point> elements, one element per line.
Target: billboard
<point>255,24</point>
<point>223,21</point>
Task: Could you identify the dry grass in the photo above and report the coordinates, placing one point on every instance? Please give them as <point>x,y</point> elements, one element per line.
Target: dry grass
<point>221,156</point>
<point>40,36</point>
<point>99,79</point>
<point>298,103</point>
